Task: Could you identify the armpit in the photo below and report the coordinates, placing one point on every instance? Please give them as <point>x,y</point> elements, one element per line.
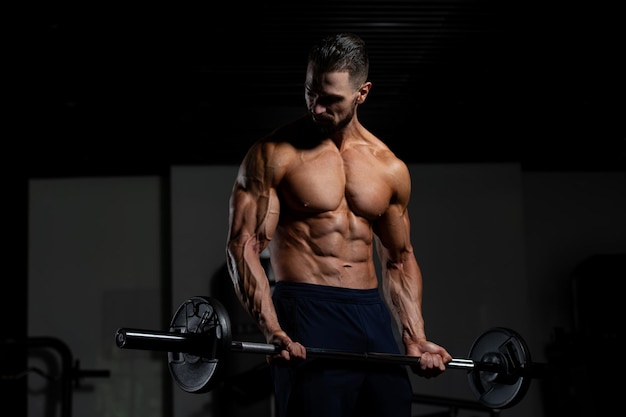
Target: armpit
<point>269,214</point>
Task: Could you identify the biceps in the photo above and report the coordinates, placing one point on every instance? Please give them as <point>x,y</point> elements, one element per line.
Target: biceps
<point>253,215</point>
<point>393,230</point>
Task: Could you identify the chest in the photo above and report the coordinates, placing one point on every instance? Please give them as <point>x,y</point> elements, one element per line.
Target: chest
<point>331,181</point>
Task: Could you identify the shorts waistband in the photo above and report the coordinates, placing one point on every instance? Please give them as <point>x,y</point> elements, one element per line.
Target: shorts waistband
<point>351,295</point>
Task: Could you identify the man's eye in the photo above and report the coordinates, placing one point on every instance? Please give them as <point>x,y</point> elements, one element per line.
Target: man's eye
<point>328,100</point>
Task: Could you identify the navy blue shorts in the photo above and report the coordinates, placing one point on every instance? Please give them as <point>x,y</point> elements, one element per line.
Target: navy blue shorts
<point>344,319</point>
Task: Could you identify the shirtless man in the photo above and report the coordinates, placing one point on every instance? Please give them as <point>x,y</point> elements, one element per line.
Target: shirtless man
<point>321,192</point>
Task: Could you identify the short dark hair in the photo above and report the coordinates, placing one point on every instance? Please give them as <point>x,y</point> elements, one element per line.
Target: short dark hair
<point>342,52</point>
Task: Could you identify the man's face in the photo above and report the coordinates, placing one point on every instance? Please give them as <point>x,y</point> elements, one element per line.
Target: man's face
<point>330,98</point>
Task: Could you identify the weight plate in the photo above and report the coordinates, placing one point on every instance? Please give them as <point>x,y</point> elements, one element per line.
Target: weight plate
<point>505,388</point>
<point>200,371</point>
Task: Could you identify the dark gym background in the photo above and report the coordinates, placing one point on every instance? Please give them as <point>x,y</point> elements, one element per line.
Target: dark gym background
<point>139,93</point>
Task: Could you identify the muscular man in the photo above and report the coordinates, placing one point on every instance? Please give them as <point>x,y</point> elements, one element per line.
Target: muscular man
<point>322,192</point>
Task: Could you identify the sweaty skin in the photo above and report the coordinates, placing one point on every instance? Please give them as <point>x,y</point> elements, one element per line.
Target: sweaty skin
<point>322,193</point>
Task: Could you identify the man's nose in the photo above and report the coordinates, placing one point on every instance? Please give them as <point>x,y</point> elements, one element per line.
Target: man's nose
<point>318,108</point>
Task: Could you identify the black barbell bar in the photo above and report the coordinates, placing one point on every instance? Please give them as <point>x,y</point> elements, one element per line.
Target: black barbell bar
<point>200,343</point>
<point>499,366</point>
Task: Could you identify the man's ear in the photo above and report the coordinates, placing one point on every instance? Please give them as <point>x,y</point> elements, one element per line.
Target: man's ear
<point>363,92</point>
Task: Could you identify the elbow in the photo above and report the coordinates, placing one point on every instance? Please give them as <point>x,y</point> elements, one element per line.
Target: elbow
<point>398,260</point>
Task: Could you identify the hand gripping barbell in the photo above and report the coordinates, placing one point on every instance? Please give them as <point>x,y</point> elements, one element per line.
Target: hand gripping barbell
<point>499,366</point>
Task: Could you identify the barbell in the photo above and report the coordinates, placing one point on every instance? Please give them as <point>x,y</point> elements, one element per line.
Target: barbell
<point>499,366</point>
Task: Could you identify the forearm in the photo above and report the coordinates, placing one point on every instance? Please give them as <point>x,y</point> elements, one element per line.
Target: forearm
<point>402,287</point>
<point>252,286</point>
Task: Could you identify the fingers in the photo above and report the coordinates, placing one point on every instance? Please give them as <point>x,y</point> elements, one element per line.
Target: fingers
<point>296,350</point>
<point>291,353</point>
<point>432,361</point>
<point>433,358</point>
<point>430,365</point>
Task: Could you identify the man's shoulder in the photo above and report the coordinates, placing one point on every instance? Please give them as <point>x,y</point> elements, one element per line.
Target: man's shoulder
<point>381,151</point>
<point>278,146</point>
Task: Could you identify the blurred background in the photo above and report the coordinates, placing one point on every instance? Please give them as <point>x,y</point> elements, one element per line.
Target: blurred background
<point>126,123</point>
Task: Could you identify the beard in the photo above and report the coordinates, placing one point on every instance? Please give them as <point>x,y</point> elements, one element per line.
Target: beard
<point>327,126</point>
